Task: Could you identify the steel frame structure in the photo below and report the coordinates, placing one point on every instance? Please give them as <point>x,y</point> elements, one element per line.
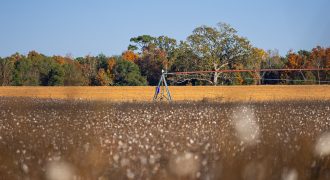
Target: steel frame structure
<point>162,86</point>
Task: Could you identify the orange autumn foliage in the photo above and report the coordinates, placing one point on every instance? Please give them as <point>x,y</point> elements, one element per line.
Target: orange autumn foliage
<point>130,56</point>
<point>59,59</point>
<point>328,58</point>
<point>321,57</point>
<point>111,64</point>
<point>294,61</point>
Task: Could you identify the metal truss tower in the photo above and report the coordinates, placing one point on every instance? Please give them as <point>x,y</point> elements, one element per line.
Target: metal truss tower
<point>162,91</point>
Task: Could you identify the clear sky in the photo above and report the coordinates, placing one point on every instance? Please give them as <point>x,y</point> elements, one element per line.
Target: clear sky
<point>81,27</point>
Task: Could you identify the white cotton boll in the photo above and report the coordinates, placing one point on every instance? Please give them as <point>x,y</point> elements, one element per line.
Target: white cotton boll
<point>322,147</point>
<point>124,162</point>
<point>290,174</point>
<point>143,160</point>
<point>152,159</point>
<point>245,125</point>
<point>184,165</point>
<point>59,171</point>
<point>116,158</point>
<point>129,174</point>
<point>25,168</point>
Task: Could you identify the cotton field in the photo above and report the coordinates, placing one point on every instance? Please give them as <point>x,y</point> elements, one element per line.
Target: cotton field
<point>72,139</point>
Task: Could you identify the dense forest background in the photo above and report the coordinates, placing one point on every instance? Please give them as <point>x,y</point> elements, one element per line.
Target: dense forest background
<point>207,48</point>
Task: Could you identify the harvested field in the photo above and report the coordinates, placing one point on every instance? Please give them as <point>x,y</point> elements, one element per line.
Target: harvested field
<point>61,139</point>
<point>195,93</point>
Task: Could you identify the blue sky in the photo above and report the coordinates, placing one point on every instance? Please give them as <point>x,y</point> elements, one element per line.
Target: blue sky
<point>81,27</point>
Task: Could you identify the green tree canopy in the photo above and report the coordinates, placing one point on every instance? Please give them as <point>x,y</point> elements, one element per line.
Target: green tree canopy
<point>219,47</point>
<point>128,74</point>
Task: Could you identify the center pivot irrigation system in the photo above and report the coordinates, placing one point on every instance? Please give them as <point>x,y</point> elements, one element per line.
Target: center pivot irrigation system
<point>162,91</point>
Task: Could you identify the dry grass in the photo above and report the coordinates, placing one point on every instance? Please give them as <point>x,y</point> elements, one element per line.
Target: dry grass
<point>221,93</point>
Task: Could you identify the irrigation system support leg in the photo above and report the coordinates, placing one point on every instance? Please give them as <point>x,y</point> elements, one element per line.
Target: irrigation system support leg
<point>161,88</point>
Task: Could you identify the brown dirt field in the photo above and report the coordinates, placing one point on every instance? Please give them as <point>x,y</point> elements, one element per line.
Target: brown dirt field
<point>179,93</point>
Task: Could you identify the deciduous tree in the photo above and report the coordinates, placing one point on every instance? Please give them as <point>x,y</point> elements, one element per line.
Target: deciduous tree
<point>6,71</point>
<point>128,74</point>
<point>220,47</point>
<point>130,56</point>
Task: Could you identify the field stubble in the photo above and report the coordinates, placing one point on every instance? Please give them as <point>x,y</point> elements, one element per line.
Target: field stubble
<point>179,93</point>
<point>63,139</point>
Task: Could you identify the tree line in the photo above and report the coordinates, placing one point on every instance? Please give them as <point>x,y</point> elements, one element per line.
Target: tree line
<point>207,48</point>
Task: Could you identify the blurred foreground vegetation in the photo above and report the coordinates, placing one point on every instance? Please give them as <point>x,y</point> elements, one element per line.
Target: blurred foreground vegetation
<point>70,139</point>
